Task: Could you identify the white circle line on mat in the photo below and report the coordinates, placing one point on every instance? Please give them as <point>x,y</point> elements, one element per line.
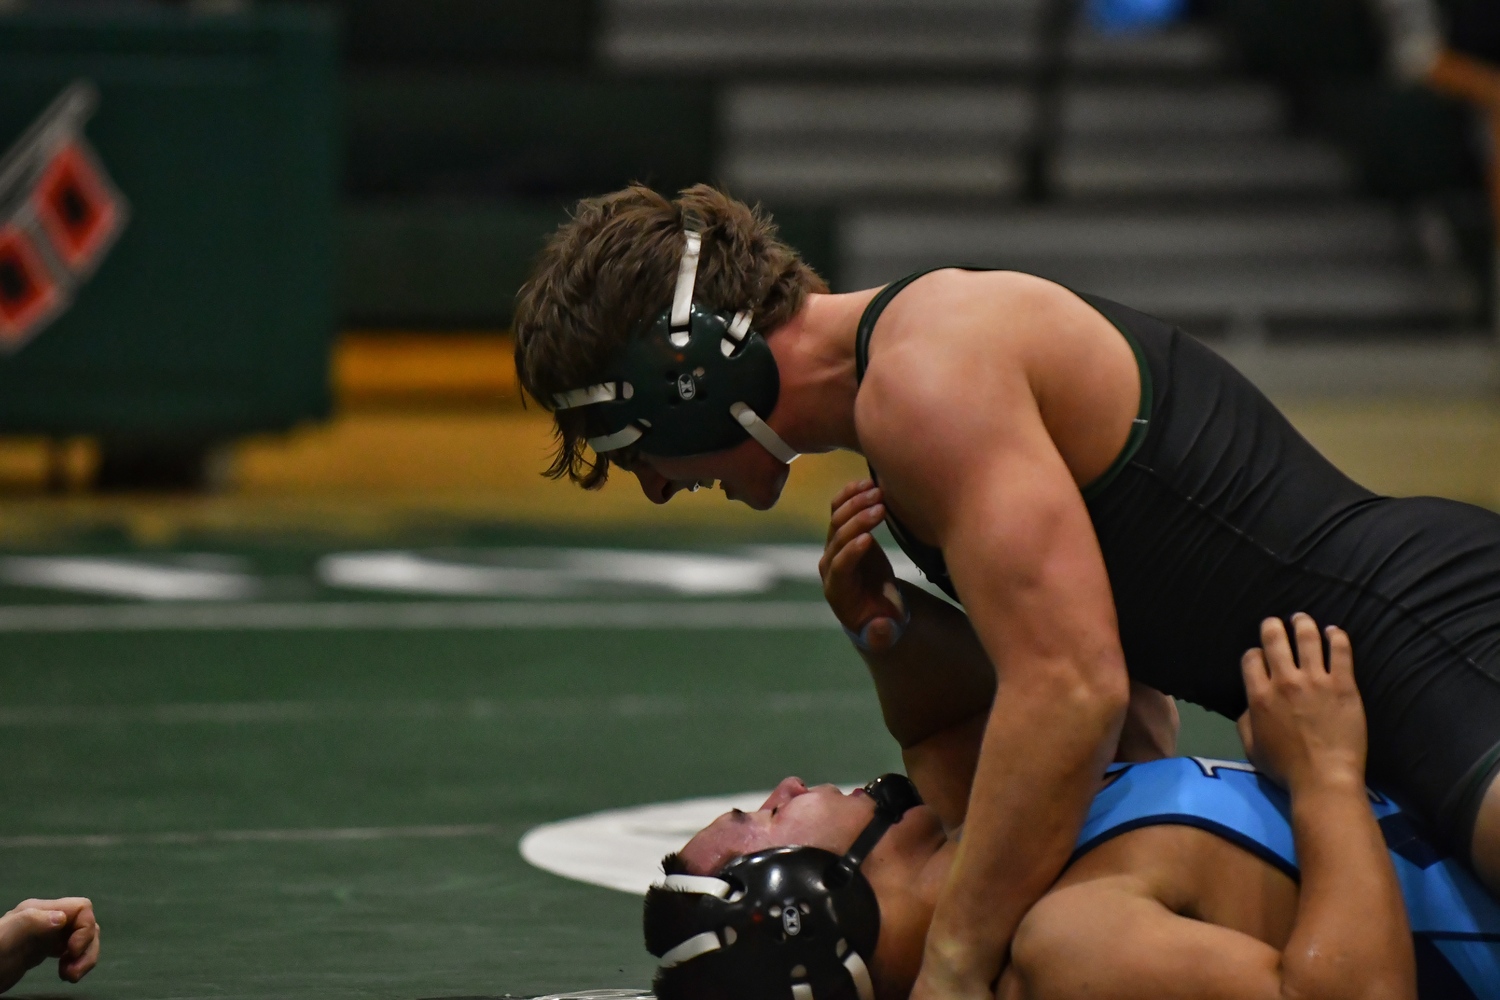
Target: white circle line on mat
<point>622,848</point>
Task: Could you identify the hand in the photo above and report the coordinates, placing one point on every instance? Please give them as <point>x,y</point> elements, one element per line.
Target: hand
<point>1306,723</point>
<point>38,929</point>
<point>858,582</point>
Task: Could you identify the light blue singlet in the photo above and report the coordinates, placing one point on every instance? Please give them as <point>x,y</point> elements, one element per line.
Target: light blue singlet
<point>1454,922</point>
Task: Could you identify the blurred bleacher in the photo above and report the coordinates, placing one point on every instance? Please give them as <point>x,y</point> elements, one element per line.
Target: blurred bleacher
<point>1248,172</point>
<point>1198,172</point>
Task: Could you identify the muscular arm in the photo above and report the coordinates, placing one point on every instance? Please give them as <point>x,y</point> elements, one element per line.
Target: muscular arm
<point>936,684</point>
<point>1022,553</point>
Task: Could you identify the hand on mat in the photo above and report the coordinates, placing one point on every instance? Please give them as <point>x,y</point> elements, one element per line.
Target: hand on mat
<point>857,578</point>
<point>38,929</point>
<point>1306,723</point>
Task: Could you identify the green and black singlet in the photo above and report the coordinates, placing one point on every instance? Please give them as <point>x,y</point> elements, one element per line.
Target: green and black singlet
<point>1218,514</point>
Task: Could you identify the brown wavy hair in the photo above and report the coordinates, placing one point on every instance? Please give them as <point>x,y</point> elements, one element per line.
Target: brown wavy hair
<point>612,266</point>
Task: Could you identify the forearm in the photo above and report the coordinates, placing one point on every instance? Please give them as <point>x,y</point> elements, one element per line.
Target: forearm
<point>1351,937</point>
<point>936,677</point>
<point>1466,78</point>
<point>1045,748</point>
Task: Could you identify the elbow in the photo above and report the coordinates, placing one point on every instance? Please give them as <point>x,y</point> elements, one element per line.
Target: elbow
<point>1317,974</point>
<point>1094,688</point>
<point>1102,685</point>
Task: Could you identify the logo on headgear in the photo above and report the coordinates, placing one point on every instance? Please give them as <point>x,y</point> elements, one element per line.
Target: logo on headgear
<point>791,920</point>
<point>686,387</point>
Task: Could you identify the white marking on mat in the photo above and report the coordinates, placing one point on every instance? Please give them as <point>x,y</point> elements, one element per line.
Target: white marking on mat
<point>198,838</point>
<point>127,578</point>
<point>800,563</point>
<point>405,616</point>
<point>622,848</point>
<point>406,572</point>
<point>541,572</point>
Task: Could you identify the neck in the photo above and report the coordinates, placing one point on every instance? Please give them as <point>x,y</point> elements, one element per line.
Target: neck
<point>907,880</point>
<point>815,358</point>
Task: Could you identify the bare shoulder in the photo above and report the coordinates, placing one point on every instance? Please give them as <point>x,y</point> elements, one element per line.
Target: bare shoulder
<point>947,340</point>
<point>998,357</point>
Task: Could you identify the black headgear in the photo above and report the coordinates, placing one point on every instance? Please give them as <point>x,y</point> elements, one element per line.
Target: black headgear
<point>691,381</point>
<point>798,919</point>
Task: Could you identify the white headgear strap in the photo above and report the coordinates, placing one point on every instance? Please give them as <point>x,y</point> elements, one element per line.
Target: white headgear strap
<point>682,297</point>
<point>705,885</point>
<point>762,433</point>
<point>698,944</point>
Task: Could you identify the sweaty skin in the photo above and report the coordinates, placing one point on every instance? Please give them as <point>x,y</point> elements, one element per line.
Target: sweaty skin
<point>1050,389</point>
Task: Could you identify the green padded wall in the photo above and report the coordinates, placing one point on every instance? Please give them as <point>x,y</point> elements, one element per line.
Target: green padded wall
<point>214,314</point>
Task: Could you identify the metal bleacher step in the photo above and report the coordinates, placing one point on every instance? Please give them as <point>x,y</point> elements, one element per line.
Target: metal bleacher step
<point>1188,48</point>
<point>1211,108</point>
<point>1305,265</point>
<point>822,142</point>
<point>1200,169</point>
<point>1219,137</point>
<point>725,37</point>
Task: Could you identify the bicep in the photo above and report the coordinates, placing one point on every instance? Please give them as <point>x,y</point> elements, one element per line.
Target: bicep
<point>1115,945</point>
<point>1022,551</point>
<point>989,485</point>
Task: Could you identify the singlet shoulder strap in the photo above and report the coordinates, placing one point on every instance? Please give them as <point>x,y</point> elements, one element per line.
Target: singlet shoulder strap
<point>877,306</point>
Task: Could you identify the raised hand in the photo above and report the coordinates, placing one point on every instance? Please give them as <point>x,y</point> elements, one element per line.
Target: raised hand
<point>1306,723</point>
<point>858,582</point>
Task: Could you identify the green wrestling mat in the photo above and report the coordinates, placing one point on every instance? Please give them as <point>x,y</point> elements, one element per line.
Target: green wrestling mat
<point>314,786</point>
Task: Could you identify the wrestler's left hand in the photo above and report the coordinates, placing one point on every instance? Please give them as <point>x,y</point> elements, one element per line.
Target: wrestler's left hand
<point>1306,721</point>
<point>858,581</point>
<point>38,929</point>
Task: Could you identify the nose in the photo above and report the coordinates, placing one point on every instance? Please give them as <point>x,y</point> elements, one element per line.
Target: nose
<point>658,488</point>
<point>785,792</point>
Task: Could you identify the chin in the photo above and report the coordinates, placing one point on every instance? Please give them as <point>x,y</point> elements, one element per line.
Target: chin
<point>768,499</point>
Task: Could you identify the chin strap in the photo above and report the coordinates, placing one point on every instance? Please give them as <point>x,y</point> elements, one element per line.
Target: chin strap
<point>762,433</point>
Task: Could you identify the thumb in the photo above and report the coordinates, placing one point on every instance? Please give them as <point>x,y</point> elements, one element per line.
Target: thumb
<point>39,921</point>
<point>31,932</point>
<point>1247,734</point>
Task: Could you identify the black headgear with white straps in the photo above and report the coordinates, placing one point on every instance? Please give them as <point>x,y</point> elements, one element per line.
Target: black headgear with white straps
<point>691,381</point>
<point>792,923</point>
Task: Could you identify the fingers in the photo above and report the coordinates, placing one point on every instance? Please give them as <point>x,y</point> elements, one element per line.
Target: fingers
<point>82,953</point>
<point>852,523</point>
<point>1247,733</point>
<point>1278,648</point>
<point>841,500</point>
<point>1340,656</point>
<point>1309,643</point>
<point>843,560</point>
<point>849,491</point>
<point>1257,675</point>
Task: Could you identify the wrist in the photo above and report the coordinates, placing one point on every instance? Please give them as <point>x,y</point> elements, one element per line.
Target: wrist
<point>1336,779</point>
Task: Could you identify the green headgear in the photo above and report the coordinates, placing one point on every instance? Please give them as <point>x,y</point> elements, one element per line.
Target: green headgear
<point>692,381</point>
